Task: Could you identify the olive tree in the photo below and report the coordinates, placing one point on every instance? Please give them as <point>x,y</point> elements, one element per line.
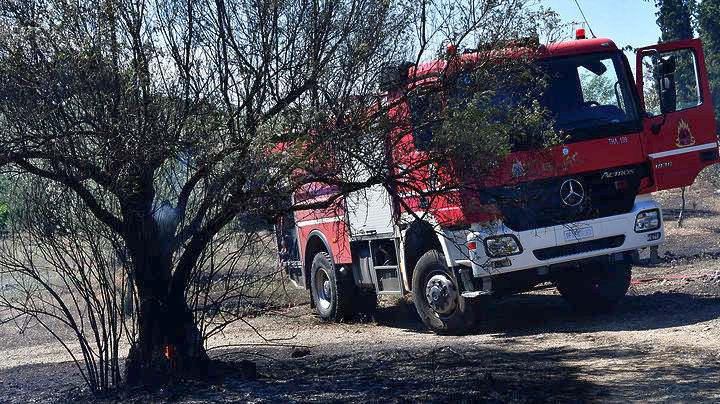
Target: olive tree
<point>159,118</point>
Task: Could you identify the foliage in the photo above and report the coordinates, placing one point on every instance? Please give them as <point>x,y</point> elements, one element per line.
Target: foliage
<point>493,110</point>
<point>4,204</point>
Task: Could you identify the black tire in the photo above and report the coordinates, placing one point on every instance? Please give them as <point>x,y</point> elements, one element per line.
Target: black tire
<point>331,292</point>
<point>449,312</point>
<point>596,287</point>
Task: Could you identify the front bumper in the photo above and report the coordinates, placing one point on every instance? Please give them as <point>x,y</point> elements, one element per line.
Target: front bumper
<point>564,243</point>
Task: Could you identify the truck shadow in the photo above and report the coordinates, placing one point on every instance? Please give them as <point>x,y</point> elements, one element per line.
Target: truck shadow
<point>531,314</point>
<point>535,314</point>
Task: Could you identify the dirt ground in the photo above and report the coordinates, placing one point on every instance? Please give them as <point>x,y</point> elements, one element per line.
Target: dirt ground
<point>662,344</point>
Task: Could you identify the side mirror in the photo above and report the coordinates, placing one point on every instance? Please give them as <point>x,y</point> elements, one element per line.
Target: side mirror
<point>665,81</point>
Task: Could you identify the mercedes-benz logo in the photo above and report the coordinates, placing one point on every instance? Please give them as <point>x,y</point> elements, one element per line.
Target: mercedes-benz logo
<point>572,192</point>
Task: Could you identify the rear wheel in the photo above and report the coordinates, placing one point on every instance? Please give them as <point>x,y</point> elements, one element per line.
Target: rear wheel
<point>437,297</point>
<point>331,292</point>
<point>596,287</point>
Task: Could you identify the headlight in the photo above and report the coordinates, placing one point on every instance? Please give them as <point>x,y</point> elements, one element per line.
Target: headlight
<point>647,220</point>
<point>502,246</point>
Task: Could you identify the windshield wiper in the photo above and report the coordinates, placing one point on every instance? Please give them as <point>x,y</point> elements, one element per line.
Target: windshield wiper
<point>589,120</point>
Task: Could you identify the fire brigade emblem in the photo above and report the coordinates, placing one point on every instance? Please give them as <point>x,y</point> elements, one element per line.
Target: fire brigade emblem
<point>572,192</point>
<point>684,137</point>
<point>517,169</point>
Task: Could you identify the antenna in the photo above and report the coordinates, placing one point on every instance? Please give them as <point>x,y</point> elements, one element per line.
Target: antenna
<point>586,21</point>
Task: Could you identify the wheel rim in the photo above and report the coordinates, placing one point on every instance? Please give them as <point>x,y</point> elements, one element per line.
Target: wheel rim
<point>441,294</point>
<point>324,289</point>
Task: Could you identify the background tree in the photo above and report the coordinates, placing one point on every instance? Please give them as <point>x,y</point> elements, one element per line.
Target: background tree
<point>708,23</point>
<point>674,17</point>
<point>708,26</point>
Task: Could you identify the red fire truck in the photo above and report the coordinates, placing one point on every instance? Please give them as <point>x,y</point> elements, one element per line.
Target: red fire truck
<point>580,228</point>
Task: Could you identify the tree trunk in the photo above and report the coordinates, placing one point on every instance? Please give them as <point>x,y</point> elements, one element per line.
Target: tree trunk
<point>169,344</point>
<point>682,208</point>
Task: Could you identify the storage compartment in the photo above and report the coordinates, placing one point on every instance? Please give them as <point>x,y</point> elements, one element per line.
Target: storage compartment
<point>375,264</point>
<point>388,280</point>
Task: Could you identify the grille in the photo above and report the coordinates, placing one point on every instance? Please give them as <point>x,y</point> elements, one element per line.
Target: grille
<point>537,204</point>
<point>579,248</point>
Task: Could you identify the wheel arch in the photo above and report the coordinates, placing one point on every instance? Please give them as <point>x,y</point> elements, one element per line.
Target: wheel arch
<point>418,239</point>
<point>316,243</point>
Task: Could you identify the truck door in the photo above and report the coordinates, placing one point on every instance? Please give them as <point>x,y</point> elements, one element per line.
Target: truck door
<point>679,137</point>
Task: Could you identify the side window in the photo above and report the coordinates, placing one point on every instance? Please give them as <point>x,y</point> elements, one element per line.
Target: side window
<point>687,83</point>
<point>683,81</point>
<point>650,85</point>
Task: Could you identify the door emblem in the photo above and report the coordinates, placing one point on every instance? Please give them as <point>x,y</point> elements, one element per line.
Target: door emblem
<point>572,192</point>
<point>684,137</point>
<point>517,169</point>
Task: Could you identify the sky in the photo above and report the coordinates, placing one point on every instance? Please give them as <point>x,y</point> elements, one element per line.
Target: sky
<point>626,22</point>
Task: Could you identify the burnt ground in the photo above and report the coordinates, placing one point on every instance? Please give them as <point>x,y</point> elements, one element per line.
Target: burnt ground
<point>662,344</point>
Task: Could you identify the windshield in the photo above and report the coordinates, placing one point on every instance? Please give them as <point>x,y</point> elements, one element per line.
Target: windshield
<point>589,91</point>
<point>588,96</point>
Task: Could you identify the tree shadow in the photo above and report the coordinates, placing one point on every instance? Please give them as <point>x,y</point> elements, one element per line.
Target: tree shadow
<point>40,382</point>
<point>404,374</point>
<point>449,369</point>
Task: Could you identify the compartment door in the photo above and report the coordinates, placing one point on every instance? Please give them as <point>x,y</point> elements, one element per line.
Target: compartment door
<point>370,212</point>
<point>682,141</point>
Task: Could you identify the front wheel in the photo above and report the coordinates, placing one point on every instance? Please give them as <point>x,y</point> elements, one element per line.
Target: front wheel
<point>437,297</point>
<point>596,287</point>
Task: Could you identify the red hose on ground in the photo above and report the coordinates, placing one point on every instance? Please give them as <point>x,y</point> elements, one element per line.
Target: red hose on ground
<point>644,280</point>
<point>668,277</point>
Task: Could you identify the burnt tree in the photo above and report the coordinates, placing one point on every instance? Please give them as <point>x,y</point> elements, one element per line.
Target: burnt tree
<point>161,119</point>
